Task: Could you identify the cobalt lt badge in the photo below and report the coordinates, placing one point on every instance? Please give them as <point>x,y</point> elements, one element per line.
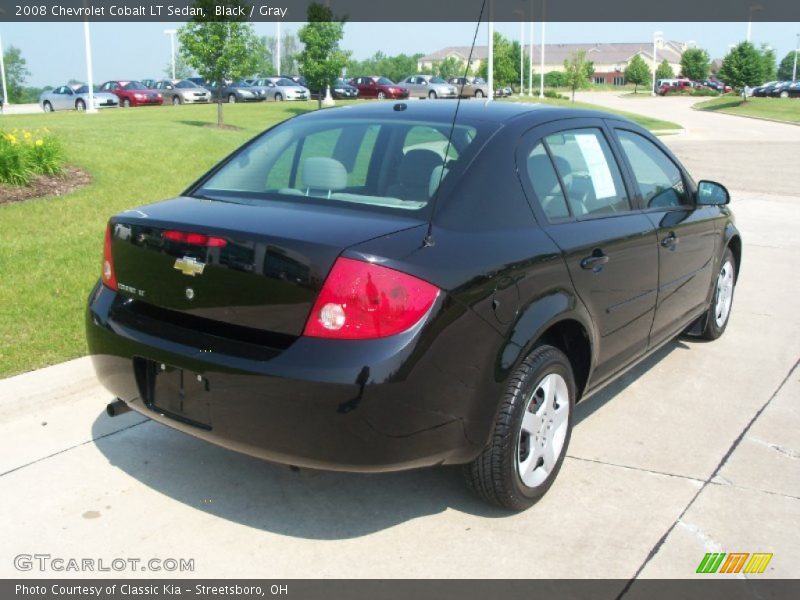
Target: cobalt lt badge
<point>188,265</point>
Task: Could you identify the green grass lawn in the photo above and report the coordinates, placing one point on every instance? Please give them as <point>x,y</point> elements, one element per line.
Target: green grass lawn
<point>780,109</point>
<point>51,248</point>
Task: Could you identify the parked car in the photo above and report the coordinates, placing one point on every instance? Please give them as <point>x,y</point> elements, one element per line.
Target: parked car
<point>149,83</point>
<point>343,90</point>
<point>779,90</point>
<point>761,91</point>
<point>67,97</point>
<point>182,91</point>
<point>281,88</point>
<point>298,79</point>
<point>199,81</point>
<point>794,90</point>
<point>132,93</point>
<point>237,91</point>
<point>378,87</point>
<point>366,306</point>
<point>669,86</point>
<point>469,87</point>
<point>429,86</point>
<point>717,85</point>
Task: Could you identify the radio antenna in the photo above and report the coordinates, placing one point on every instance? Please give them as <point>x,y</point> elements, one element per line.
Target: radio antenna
<point>428,240</point>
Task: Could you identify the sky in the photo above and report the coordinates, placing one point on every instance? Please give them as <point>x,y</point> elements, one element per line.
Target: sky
<point>54,51</point>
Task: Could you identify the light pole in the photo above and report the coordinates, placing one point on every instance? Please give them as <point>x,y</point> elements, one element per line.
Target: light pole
<point>3,77</point>
<point>656,37</point>
<point>171,33</point>
<point>521,14</point>
<point>87,46</point>
<point>796,50</point>
<point>541,67</point>
<point>530,55</point>
<point>277,47</point>
<point>490,64</point>
<point>753,8</point>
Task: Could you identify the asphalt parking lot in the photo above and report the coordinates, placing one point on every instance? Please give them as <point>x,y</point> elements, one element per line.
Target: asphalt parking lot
<point>694,451</point>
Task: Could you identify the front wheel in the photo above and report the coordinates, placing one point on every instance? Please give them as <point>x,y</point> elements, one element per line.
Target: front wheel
<point>432,95</point>
<point>232,99</point>
<point>176,101</point>
<point>716,319</point>
<point>784,94</point>
<point>80,106</point>
<point>47,107</point>
<point>479,93</point>
<point>126,103</point>
<point>381,95</point>
<point>278,97</point>
<point>531,433</point>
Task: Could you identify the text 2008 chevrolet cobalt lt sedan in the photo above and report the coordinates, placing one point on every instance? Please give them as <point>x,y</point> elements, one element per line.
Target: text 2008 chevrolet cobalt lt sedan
<point>363,289</point>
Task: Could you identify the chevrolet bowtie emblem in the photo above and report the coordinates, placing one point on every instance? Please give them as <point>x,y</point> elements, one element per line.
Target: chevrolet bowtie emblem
<point>189,265</point>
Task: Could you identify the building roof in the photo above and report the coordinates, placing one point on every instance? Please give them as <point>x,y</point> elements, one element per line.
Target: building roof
<point>610,53</point>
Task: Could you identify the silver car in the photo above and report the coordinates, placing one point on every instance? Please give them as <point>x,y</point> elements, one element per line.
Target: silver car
<point>429,86</point>
<point>182,91</point>
<point>471,87</point>
<point>75,98</point>
<point>282,88</point>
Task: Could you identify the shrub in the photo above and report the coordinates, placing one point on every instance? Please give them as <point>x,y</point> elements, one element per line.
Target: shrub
<point>555,94</point>
<point>24,154</point>
<point>703,92</point>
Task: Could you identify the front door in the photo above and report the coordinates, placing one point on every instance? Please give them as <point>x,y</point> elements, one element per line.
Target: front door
<point>686,232</point>
<point>608,244</point>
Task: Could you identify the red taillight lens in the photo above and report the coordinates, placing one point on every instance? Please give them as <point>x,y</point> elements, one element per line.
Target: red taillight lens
<point>361,300</point>
<point>109,276</point>
<point>195,239</point>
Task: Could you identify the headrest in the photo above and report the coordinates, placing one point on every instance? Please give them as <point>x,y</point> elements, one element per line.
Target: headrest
<point>320,173</point>
<point>415,170</point>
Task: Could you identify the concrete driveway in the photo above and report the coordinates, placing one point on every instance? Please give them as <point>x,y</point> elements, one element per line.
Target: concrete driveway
<point>695,451</point>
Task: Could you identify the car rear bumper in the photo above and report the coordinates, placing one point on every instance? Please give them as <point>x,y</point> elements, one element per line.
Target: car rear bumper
<point>338,405</point>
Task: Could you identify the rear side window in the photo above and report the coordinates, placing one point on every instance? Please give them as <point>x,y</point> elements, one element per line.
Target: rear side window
<point>659,179</point>
<point>589,173</point>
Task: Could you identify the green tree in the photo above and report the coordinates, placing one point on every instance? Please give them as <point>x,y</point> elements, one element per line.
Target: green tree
<point>16,74</point>
<point>321,60</point>
<point>182,68</point>
<point>786,68</point>
<point>637,72</point>
<point>575,72</point>
<point>695,63</point>
<point>505,61</point>
<point>555,79</point>
<point>450,67</point>
<point>769,67</point>
<point>742,66</point>
<point>217,49</point>
<point>664,70</point>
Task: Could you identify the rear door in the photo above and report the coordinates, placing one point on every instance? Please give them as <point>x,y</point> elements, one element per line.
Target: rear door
<point>571,171</point>
<point>686,232</point>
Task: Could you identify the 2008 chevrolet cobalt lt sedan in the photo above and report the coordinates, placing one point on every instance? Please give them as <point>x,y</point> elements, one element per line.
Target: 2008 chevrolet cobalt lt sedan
<point>375,288</point>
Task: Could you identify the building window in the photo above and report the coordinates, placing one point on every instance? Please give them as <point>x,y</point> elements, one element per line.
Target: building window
<point>619,80</point>
<point>600,80</point>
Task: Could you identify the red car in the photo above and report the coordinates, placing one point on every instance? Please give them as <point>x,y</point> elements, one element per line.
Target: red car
<point>669,86</point>
<point>132,93</point>
<point>378,87</point>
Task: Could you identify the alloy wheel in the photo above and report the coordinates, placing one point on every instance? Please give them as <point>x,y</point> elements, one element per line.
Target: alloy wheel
<point>724,294</point>
<point>544,430</point>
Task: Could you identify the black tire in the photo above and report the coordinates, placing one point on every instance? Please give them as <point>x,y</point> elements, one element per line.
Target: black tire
<point>432,95</point>
<point>176,101</point>
<point>713,328</point>
<point>278,97</point>
<point>231,98</point>
<point>494,474</point>
<point>126,103</point>
<point>479,93</point>
<point>80,106</point>
<point>47,107</point>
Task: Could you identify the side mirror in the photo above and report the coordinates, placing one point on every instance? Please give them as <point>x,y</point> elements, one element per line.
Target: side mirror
<point>710,193</point>
<point>424,82</point>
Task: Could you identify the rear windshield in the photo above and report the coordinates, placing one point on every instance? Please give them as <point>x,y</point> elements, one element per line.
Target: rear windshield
<point>391,164</point>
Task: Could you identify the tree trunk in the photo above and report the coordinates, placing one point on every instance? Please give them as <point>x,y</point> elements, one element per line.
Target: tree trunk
<point>573,93</point>
<point>220,118</point>
<point>635,88</point>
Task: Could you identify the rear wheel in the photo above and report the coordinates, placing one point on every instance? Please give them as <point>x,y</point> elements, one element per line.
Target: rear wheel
<point>176,101</point>
<point>278,97</point>
<point>432,95</point>
<point>784,94</point>
<point>232,98</point>
<point>531,433</point>
<point>479,93</point>
<point>381,95</point>
<point>47,107</point>
<point>80,105</point>
<point>716,319</point>
<point>126,103</point>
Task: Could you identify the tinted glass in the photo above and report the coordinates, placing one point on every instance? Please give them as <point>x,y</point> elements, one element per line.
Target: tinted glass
<point>284,82</point>
<point>186,84</point>
<point>390,164</point>
<point>545,184</point>
<point>591,177</point>
<point>134,85</point>
<point>659,179</point>
<point>385,81</point>
<point>437,80</point>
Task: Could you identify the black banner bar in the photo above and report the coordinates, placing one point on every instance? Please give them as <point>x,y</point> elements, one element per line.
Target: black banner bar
<point>406,10</point>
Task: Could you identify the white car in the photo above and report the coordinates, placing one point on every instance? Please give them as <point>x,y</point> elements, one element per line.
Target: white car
<point>284,89</point>
<point>68,97</point>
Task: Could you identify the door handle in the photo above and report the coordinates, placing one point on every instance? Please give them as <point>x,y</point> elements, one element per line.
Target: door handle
<point>594,262</point>
<point>670,241</point>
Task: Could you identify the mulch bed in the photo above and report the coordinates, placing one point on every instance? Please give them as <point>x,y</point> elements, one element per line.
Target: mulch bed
<point>45,185</point>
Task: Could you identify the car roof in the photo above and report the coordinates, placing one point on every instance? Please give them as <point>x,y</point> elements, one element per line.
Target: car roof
<point>498,112</point>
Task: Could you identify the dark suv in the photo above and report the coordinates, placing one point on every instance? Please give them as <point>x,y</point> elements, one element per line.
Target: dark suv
<point>382,287</point>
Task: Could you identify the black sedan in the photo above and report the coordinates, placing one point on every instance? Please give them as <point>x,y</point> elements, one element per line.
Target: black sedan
<point>237,91</point>
<point>379,287</point>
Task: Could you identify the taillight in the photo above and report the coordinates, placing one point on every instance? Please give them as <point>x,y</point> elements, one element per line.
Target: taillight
<point>195,239</point>
<point>361,300</point>
<point>109,276</point>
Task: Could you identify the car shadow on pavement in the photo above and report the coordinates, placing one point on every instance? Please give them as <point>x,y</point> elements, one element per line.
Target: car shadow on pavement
<point>305,504</point>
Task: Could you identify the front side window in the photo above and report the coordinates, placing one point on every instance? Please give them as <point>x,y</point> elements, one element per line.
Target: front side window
<point>659,179</point>
<point>589,173</point>
<point>392,164</point>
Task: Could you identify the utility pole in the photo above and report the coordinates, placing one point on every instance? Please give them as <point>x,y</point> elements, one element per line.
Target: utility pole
<point>656,36</point>
<point>530,52</point>
<point>171,33</point>
<point>796,50</point>
<point>87,45</point>
<point>541,67</point>
<point>3,76</point>
<point>277,47</point>
<point>521,54</point>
